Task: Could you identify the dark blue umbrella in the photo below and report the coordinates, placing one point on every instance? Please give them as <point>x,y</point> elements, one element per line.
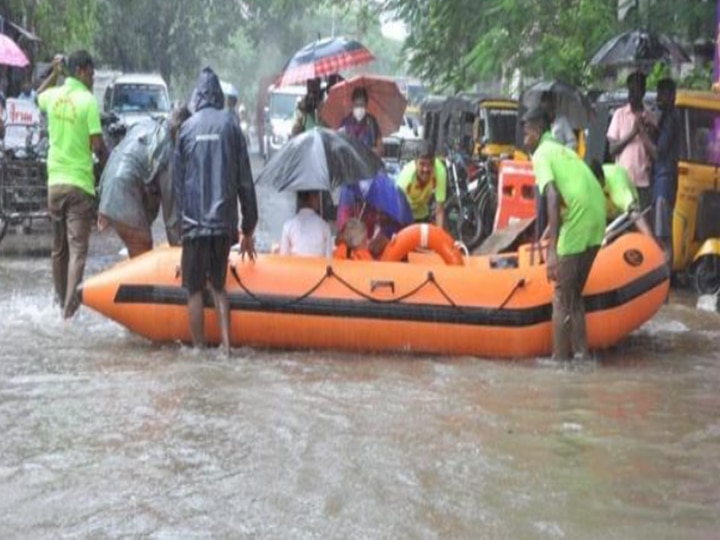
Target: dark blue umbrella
<point>382,195</point>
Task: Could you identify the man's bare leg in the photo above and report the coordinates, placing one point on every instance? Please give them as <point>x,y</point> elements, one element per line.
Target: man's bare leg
<point>222,307</point>
<point>197,325</point>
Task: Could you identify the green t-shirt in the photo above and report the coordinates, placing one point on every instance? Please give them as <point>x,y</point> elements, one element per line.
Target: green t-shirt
<point>73,117</point>
<point>582,218</point>
<point>620,190</point>
<point>419,196</point>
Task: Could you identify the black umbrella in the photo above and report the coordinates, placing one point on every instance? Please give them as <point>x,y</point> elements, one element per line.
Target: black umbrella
<point>569,101</point>
<point>319,159</point>
<point>638,48</point>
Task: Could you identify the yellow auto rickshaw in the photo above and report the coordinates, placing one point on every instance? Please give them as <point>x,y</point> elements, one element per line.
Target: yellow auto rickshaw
<point>495,127</point>
<point>448,122</point>
<point>696,219</point>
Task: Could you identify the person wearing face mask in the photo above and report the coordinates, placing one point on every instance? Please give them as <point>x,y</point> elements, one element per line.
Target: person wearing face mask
<point>362,125</point>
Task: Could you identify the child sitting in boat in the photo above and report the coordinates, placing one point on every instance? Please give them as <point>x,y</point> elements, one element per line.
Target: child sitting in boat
<point>353,242</point>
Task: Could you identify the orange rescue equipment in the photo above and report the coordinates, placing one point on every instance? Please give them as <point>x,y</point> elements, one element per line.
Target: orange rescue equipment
<point>516,186</point>
<point>343,252</point>
<point>423,236</point>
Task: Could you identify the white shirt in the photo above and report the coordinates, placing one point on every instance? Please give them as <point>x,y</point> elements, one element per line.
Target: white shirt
<point>307,235</point>
<point>563,132</point>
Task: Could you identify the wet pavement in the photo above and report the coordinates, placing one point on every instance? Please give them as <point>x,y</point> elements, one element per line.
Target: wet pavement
<point>105,435</point>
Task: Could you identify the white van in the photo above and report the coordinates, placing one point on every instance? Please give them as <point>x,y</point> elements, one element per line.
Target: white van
<point>136,96</point>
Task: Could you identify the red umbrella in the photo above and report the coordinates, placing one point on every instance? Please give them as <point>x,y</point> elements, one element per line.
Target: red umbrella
<point>385,102</point>
<point>324,57</point>
<point>11,54</point>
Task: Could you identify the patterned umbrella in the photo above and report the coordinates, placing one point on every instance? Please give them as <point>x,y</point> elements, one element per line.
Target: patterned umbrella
<point>385,102</point>
<point>638,48</point>
<point>324,57</point>
<point>11,54</point>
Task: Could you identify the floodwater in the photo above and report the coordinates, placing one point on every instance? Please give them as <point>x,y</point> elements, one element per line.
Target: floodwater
<point>105,435</point>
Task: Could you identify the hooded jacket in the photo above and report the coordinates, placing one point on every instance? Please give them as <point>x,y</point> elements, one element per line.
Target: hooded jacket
<point>211,168</point>
<point>130,184</point>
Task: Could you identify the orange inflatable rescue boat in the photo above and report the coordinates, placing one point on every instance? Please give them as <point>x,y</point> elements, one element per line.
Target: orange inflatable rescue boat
<point>490,306</point>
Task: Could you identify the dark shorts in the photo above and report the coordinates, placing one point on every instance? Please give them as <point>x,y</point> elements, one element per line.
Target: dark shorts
<point>205,259</point>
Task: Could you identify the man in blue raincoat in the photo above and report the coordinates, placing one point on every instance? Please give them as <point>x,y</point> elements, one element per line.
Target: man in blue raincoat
<point>211,173</point>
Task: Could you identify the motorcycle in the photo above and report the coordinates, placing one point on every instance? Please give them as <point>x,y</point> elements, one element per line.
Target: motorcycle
<point>471,202</point>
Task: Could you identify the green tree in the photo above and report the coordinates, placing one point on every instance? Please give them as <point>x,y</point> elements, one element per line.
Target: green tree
<point>158,35</point>
<point>457,43</point>
<point>62,26</point>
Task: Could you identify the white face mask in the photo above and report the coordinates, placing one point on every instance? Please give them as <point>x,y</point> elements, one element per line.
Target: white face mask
<point>359,113</point>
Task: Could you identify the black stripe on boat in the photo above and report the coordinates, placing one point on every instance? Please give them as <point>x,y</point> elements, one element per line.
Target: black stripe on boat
<point>402,311</point>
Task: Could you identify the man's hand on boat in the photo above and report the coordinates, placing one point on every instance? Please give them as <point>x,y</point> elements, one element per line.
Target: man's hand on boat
<point>552,263</point>
<point>247,247</point>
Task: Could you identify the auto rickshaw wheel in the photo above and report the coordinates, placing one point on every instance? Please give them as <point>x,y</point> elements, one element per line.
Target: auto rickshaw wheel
<point>706,275</point>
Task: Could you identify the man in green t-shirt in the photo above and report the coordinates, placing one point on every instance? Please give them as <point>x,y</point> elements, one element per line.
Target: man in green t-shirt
<point>75,132</point>
<point>423,181</point>
<point>576,216</point>
<point>621,194</point>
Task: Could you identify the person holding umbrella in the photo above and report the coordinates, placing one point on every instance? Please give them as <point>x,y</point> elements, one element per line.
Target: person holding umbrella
<point>308,110</point>
<point>362,125</point>
<point>629,137</point>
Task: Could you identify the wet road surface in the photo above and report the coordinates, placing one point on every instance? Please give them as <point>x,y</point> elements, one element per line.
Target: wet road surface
<point>105,435</point>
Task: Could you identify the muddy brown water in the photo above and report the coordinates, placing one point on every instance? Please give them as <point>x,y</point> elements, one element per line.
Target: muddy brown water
<point>105,435</point>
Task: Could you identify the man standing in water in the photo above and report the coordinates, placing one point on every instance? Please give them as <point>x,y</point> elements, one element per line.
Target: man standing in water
<point>576,230</point>
<point>75,132</point>
<point>211,172</point>
<point>628,137</point>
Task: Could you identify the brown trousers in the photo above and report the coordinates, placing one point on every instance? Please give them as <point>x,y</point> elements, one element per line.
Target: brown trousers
<point>71,210</point>
<point>569,331</point>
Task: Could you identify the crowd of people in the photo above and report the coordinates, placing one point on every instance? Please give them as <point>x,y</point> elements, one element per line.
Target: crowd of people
<point>196,167</point>
<point>209,174</point>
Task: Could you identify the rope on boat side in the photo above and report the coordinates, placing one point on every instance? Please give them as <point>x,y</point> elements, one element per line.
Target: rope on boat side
<point>366,296</point>
<point>330,273</point>
<point>290,302</point>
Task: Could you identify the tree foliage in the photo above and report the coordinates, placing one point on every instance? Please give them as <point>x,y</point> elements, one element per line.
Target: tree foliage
<point>245,38</point>
<point>157,35</point>
<point>457,43</point>
<point>61,25</point>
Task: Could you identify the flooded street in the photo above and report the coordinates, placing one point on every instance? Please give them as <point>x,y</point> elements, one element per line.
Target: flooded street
<point>105,435</point>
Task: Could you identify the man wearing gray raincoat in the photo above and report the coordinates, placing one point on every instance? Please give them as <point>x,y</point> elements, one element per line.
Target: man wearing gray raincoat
<point>136,183</point>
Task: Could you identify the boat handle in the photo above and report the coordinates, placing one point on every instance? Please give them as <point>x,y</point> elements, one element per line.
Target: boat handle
<point>379,283</point>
